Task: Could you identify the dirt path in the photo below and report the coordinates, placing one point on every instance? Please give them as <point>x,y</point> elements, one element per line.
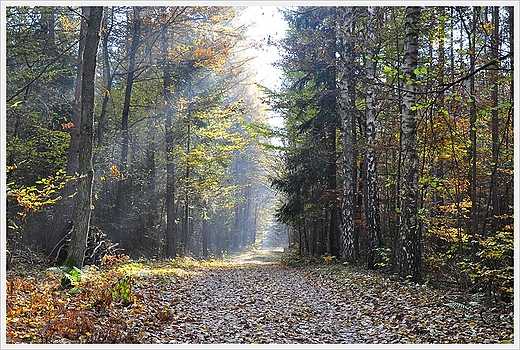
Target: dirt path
<point>255,300</point>
<point>249,298</point>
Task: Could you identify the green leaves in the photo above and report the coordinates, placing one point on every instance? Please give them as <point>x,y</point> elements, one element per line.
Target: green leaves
<point>419,71</point>
<point>70,276</point>
<point>122,290</point>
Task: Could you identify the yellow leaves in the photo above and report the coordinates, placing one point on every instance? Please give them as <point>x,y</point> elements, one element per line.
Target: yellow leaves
<point>11,167</point>
<point>452,234</point>
<point>67,24</point>
<point>32,198</point>
<point>183,48</point>
<point>457,208</point>
<point>16,104</point>
<point>222,17</point>
<point>327,258</point>
<point>488,27</point>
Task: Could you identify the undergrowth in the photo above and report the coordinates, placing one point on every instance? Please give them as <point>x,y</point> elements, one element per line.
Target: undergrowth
<point>65,303</point>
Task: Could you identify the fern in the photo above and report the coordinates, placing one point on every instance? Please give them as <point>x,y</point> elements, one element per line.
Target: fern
<point>122,289</point>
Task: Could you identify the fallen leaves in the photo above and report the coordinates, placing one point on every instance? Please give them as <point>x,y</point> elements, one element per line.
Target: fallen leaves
<point>246,300</point>
<point>389,311</point>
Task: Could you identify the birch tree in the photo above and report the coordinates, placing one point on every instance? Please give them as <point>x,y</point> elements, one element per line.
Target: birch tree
<point>346,112</point>
<point>409,249</point>
<point>371,189</point>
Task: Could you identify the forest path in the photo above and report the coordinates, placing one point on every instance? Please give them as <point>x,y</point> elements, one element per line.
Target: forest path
<point>246,298</point>
<point>253,299</point>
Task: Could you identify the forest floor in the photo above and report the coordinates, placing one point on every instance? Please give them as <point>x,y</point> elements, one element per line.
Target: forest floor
<point>245,299</point>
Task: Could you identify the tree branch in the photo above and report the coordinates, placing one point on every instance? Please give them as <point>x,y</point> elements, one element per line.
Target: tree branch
<point>43,71</point>
<point>470,74</point>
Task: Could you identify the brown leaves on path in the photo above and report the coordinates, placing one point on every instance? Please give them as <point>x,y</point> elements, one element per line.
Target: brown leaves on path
<point>249,299</point>
<point>254,304</point>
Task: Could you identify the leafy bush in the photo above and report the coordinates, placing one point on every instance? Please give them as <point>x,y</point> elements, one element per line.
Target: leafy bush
<point>495,266</point>
<point>70,276</point>
<point>45,191</point>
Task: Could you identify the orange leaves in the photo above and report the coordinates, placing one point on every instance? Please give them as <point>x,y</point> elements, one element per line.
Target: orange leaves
<point>66,126</point>
<point>222,17</point>
<point>113,260</point>
<point>211,56</point>
<point>39,311</point>
<point>29,306</point>
<point>72,324</point>
<point>115,171</point>
<point>488,27</point>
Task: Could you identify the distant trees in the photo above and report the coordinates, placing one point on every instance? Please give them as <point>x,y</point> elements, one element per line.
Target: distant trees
<point>416,92</point>
<point>308,180</point>
<point>171,127</point>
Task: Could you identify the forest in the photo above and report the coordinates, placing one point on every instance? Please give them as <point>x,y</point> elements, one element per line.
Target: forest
<point>149,198</point>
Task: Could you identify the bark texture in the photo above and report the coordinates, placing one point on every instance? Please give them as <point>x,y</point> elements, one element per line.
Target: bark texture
<point>409,254</point>
<point>346,112</point>
<point>79,234</point>
<point>64,212</point>
<point>371,190</point>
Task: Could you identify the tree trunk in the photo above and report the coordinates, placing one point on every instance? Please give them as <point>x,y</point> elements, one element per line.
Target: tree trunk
<point>109,77</point>
<point>128,90</point>
<point>78,239</point>
<point>371,191</point>
<point>346,111</point>
<point>64,211</point>
<point>495,40</point>
<point>186,221</point>
<point>332,245</point>
<point>332,238</point>
<point>473,135</point>
<point>171,234</point>
<point>121,202</point>
<point>409,248</point>
<point>205,231</point>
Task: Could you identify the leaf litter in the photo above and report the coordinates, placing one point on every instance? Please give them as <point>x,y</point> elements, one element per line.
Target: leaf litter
<point>250,299</point>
